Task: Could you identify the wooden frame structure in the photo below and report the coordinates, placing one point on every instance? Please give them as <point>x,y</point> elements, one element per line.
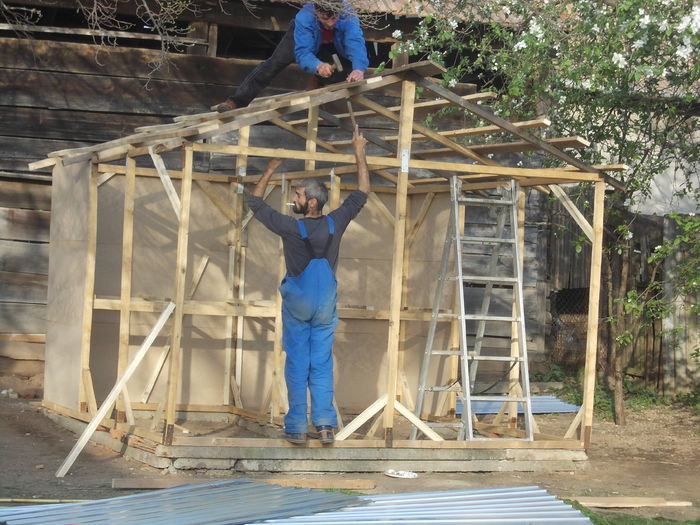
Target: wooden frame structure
<point>79,175</point>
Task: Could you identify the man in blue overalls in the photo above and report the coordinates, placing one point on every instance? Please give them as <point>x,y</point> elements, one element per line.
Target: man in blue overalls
<point>308,291</point>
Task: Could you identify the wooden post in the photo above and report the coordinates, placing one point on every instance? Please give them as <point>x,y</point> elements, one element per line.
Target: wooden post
<point>515,342</point>
<point>127,260</point>
<point>180,283</point>
<point>311,134</point>
<point>593,313</point>
<point>87,393</point>
<point>234,265</point>
<point>408,94</point>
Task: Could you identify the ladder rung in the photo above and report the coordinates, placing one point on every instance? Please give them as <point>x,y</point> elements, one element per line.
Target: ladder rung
<point>445,424</point>
<point>477,200</point>
<point>504,398</point>
<point>507,359</point>
<point>485,240</point>
<point>479,317</point>
<point>489,279</point>
<point>453,388</point>
<point>446,352</point>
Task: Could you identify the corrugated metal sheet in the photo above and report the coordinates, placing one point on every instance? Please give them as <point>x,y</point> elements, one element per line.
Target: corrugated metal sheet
<point>516,505</point>
<point>540,405</point>
<point>229,502</point>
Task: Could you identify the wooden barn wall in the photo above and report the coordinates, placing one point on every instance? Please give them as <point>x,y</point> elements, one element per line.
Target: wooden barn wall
<point>24,258</point>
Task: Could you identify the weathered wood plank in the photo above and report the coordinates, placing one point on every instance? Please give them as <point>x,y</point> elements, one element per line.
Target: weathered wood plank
<point>74,125</point>
<point>24,225</point>
<point>33,196</point>
<point>70,57</point>
<point>102,93</point>
<point>23,288</point>
<point>20,256</point>
<point>22,318</point>
<point>22,350</point>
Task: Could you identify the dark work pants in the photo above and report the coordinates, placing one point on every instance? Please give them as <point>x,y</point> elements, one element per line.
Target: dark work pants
<point>283,55</point>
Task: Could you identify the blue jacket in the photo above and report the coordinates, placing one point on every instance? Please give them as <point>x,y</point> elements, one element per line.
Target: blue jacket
<point>347,38</point>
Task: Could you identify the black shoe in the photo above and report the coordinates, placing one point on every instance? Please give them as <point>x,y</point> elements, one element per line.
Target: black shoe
<point>325,434</point>
<point>226,105</point>
<point>297,439</point>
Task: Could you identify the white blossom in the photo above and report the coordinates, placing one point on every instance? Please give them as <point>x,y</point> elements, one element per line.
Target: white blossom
<point>520,45</point>
<point>639,43</point>
<point>686,49</point>
<point>536,30</point>
<point>452,82</point>
<point>453,23</point>
<point>397,34</point>
<point>695,22</point>
<point>595,28</point>
<point>506,9</point>
<point>628,235</point>
<point>663,26</point>
<point>586,84</point>
<point>619,60</point>
<point>684,24</point>
<point>644,21</point>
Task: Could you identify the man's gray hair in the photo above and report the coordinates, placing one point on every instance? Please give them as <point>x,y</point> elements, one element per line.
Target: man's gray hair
<point>314,189</point>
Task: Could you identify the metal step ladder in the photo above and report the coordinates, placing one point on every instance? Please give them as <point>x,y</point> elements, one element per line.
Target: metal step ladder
<point>500,308</point>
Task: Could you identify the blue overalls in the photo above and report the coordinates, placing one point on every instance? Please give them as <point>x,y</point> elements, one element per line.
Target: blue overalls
<point>309,318</point>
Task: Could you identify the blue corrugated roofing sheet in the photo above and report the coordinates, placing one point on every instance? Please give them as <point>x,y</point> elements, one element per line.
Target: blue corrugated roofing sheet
<point>242,501</point>
<point>515,505</point>
<point>228,502</point>
<point>520,505</point>
<point>540,405</point>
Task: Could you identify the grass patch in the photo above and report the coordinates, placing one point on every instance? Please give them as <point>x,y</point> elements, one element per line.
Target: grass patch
<point>604,518</point>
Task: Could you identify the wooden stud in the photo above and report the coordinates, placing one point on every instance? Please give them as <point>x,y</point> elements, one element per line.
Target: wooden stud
<point>573,210</point>
<point>126,268</point>
<point>87,393</point>
<point>180,276</point>
<point>408,93</point>
<point>311,136</point>
<point>166,180</point>
<point>589,379</point>
<point>378,205</point>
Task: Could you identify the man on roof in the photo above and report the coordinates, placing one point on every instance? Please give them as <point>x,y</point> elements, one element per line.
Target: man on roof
<point>320,30</point>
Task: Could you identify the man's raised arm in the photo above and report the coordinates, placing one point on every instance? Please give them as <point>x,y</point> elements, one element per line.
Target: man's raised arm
<point>358,144</point>
<point>259,189</point>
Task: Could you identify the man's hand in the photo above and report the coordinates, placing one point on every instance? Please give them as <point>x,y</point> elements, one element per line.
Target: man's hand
<point>273,164</point>
<point>358,144</point>
<point>358,141</point>
<point>324,70</point>
<point>356,75</point>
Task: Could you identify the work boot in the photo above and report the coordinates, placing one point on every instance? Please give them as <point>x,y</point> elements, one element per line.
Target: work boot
<point>325,434</point>
<point>296,438</point>
<point>226,105</point>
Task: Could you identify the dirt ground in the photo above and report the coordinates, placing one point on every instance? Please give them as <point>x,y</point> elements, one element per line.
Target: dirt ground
<point>656,455</point>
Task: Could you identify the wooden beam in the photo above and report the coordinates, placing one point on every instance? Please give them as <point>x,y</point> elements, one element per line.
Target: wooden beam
<point>114,393</point>
<point>573,210</point>
<point>165,180</point>
<point>87,393</point>
<point>384,212</point>
<point>126,267</point>
<point>408,93</point>
<point>378,108</point>
<point>174,372</point>
<point>589,379</point>
<point>519,146</point>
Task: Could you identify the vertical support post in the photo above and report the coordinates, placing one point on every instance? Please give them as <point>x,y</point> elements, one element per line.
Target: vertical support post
<point>174,371</point>
<point>87,394</point>
<point>311,134</point>
<point>234,265</point>
<point>127,260</point>
<point>334,197</point>
<point>277,397</point>
<point>515,343</point>
<point>593,313</point>
<point>408,94</point>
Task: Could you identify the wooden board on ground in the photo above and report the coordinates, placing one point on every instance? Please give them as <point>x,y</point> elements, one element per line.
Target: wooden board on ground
<point>618,502</point>
<point>316,482</point>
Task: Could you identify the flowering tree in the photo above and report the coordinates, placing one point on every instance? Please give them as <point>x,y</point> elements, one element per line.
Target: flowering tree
<point>622,73</point>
